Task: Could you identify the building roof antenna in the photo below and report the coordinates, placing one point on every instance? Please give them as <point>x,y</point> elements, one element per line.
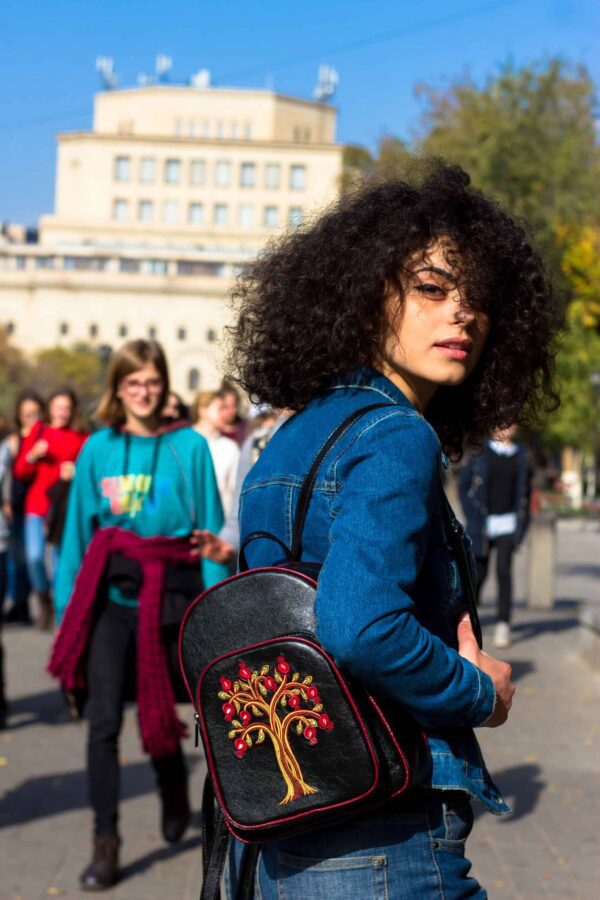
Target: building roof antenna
<point>327,83</point>
<point>162,67</point>
<point>105,66</point>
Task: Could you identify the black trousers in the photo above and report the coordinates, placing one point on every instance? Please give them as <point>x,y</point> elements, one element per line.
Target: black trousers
<point>111,681</point>
<point>504,547</point>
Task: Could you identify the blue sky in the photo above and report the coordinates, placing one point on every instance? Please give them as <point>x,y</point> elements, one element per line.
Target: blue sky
<point>380,49</point>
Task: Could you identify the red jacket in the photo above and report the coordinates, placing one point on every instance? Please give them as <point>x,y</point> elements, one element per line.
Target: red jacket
<point>64,445</point>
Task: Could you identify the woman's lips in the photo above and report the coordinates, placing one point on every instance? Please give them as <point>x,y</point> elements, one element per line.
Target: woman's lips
<point>455,349</point>
<point>452,352</point>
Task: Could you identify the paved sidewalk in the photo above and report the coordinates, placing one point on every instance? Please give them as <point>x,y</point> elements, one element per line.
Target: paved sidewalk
<point>545,760</point>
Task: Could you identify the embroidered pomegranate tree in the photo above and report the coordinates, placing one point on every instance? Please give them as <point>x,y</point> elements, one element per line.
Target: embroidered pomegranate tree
<point>264,704</point>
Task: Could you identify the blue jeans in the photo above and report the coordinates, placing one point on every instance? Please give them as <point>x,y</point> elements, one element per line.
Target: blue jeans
<point>35,550</point>
<point>413,852</point>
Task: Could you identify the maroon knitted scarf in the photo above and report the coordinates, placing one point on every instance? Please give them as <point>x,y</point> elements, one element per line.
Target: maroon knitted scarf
<point>159,726</point>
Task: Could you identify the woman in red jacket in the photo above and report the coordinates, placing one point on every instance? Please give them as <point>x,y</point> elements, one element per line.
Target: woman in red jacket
<point>46,455</point>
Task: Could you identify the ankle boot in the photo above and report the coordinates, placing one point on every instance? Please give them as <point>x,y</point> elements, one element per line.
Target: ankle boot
<point>176,812</point>
<point>102,871</point>
<point>46,613</point>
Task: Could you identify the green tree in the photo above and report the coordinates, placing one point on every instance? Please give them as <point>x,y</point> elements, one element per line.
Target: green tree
<point>528,137</point>
<point>577,422</point>
<point>15,373</point>
<point>77,367</point>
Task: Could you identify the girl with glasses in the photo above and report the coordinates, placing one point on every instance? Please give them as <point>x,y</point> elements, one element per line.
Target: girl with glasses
<point>128,571</point>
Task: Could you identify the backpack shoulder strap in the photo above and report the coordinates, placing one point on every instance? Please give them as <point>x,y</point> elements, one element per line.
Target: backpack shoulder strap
<point>215,844</point>
<point>294,553</point>
<point>309,481</point>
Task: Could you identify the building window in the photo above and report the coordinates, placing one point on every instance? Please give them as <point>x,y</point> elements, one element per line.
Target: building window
<point>211,335</point>
<point>153,266</point>
<point>295,216</point>
<point>273,175</point>
<point>223,173</point>
<point>197,171</point>
<point>170,211</point>
<point>247,131</point>
<point>178,127</point>
<point>129,265</point>
<point>195,213</point>
<point>86,263</point>
<point>297,178</point>
<point>20,262</point>
<point>122,168</point>
<point>246,215</point>
<point>172,171</point>
<point>221,214</point>
<point>145,210</point>
<point>234,131</point>
<point>93,331</point>
<point>10,327</point>
<point>220,132</point>
<point>44,262</point>
<point>188,267</point>
<point>152,332</point>
<point>63,328</point>
<point>297,134</point>
<point>122,331</point>
<point>247,175</point>
<point>192,129</point>
<point>120,210</point>
<point>206,129</point>
<point>271,218</point>
<point>181,334</point>
<point>147,169</point>
<point>193,380</point>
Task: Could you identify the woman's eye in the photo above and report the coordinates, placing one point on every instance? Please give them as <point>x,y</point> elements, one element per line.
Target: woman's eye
<point>431,290</point>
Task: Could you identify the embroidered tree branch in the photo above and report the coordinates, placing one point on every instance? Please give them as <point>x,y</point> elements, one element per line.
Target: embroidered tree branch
<point>264,704</point>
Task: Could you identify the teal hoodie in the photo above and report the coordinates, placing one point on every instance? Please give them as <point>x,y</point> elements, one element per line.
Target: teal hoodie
<point>161,485</point>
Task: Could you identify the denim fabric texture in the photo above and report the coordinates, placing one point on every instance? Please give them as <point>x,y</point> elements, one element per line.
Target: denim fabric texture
<point>35,552</point>
<point>413,853</point>
<point>389,596</point>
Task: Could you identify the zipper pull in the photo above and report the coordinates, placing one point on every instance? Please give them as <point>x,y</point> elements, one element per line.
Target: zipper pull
<point>196,729</point>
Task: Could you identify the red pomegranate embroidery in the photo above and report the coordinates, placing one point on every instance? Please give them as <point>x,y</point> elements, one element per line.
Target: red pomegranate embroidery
<point>262,704</point>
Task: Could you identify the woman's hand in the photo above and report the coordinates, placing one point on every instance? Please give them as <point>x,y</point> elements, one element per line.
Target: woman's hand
<point>39,449</point>
<point>500,672</point>
<point>67,471</point>
<point>211,546</point>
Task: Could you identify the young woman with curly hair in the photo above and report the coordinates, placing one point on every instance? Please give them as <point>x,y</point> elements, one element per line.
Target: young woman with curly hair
<point>429,299</point>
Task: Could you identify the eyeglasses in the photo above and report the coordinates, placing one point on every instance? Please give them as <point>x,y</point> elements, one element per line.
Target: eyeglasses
<point>132,386</point>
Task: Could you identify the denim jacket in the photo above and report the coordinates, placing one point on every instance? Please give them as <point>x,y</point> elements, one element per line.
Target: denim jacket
<point>389,594</point>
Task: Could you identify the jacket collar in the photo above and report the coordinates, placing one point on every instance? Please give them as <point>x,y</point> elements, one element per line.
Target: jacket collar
<point>373,380</point>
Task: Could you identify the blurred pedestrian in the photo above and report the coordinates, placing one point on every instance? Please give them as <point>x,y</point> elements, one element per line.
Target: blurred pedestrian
<point>495,491</point>
<point>175,409</point>
<point>404,296</point>
<point>29,409</point>
<point>224,547</point>
<point>234,425</point>
<point>209,416</point>
<point>128,570</point>
<point>5,474</point>
<point>45,456</point>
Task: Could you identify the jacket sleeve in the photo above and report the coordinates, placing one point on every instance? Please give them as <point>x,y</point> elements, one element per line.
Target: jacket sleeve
<point>207,504</point>
<point>80,524</point>
<point>21,468</point>
<point>365,614</point>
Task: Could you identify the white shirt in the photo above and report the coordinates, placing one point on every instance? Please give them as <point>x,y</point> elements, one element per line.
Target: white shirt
<point>225,456</point>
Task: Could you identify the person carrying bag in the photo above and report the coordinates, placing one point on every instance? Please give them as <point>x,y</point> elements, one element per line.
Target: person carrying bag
<point>402,297</point>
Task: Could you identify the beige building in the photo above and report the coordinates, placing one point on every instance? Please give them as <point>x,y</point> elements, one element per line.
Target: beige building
<point>157,209</point>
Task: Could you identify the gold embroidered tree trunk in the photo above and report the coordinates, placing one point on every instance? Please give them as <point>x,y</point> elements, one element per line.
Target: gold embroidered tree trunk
<point>261,704</point>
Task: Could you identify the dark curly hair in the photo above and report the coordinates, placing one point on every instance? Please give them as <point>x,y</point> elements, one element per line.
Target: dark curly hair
<point>311,308</point>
